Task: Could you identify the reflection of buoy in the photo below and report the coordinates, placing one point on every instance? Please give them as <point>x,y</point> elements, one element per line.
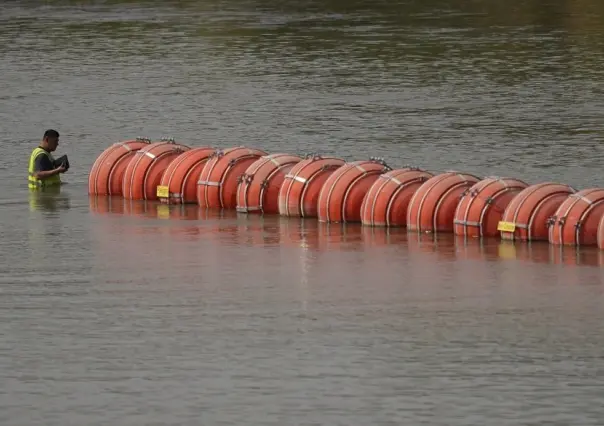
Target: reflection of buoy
<point>107,172</point>
<point>258,189</point>
<point>145,169</point>
<point>299,193</point>
<point>106,204</point>
<point>576,220</point>
<point>178,183</point>
<point>217,186</point>
<point>432,207</point>
<point>342,194</point>
<point>525,218</point>
<point>178,212</point>
<point>482,205</point>
<point>388,198</point>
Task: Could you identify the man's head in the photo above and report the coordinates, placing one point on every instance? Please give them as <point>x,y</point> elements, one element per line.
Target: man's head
<point>50,141</point>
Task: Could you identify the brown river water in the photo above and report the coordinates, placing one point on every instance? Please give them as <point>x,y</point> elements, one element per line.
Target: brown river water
<point>126,313</point>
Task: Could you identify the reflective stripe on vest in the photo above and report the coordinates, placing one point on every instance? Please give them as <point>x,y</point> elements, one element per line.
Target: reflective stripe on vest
<point>34,182</point>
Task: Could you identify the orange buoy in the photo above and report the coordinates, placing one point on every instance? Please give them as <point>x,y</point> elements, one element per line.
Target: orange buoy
<point>432,207</point>
<point>343,192</point>
<point>576,220</point>
<point>525,218</point>
<point>258,189</point>
<point>299,193</point>
<point>601,233</point>
<point>388,198</point>
<point>219,178</point>
<point>107,172</point>
<point>482,205</point>
<point>146,168</point>
<point>178,184</point>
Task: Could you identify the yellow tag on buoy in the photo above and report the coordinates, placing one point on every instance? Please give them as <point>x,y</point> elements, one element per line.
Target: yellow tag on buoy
<point>506,226</point>
<point>163,192</point>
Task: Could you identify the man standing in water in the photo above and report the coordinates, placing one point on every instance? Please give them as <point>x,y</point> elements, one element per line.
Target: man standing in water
<point>44,170</point>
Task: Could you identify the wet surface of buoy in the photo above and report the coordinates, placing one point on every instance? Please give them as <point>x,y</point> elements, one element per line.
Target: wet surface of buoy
<point>482,205</point>
<point>301,187</point>
<point>388,198</point>
<point>219,178</point>
<point>576,220</point>
<point>526,216</point>
<point>146,167</point>
<point>343,192</point>
<point>178,183</point>
<point>432,207</point>
<point>107,172</point>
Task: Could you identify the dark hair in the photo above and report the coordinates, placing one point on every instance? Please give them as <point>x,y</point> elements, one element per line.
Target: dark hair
<point>50,133</point>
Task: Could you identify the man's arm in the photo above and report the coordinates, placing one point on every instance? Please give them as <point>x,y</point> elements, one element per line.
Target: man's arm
<point>43,168</point>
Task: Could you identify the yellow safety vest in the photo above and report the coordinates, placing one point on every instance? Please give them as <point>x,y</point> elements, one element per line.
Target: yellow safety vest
<point>35,183</point>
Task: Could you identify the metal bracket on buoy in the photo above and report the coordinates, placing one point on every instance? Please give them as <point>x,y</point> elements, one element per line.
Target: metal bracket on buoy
<point>314,155</point>
<point>380,160</point>
<point>578,224</point>
<point>562,221</point>
<point>264,183</point>
<point>218,153</point>
<point>167,139</point>
<point>143,139</point>
<point>550,221</point>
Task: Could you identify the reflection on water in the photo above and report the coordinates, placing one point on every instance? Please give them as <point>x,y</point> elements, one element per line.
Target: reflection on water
<point>228,227</point>
<point>49,200</point>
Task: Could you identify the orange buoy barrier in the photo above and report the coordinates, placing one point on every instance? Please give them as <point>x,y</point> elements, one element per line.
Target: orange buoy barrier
<point>219,178</point>
<point>576,220</point>
<point>432,207</point>
<point>258,188</point>
<point>343,192</point>
<point>146,168</point>
<point>482,205</point>
<point>388,198</point>
<point>178,183</point>
<point>107,172</point>
<point>526,216</point>
<point>299,193</point>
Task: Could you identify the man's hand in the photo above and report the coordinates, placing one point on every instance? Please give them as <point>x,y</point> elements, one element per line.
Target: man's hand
<point>61,169</point>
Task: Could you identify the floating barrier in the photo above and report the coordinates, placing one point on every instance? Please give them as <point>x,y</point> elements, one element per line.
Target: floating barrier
<point>576,220</point>
<point>432,207</point>
<point>343,192</point>
<point>299,193</point>
<point>258,188</point>
<point>178,183</point>
<point>482,205</point>
<point>388,198</point>
<point>107,172</point>
<point>145,169</point>
<point>526,216</point>
<point>219,178</point>
<point>367,192</point>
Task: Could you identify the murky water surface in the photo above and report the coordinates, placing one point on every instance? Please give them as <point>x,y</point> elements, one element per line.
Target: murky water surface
<point>120,313</point>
